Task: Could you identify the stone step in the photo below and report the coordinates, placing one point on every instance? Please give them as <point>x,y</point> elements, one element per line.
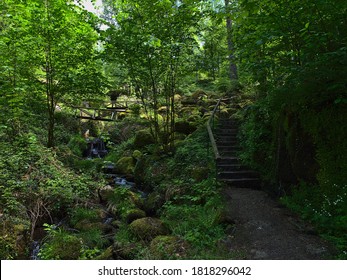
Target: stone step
<point>231,167</point>
<point>228,160</point>
<point>228,153</point>
<point>228,147</point>
<point>226,135</point>
<point>232,131</point>
<point>227,126</point>
<point>226,142</point>
<point>243,183</point>
<point>238,174</point>
<point>231,147</point>
<point>227,121</point>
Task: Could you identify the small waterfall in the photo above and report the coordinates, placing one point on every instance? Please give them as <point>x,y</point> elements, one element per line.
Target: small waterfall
<point>35,246</point>
<point>96,148</point>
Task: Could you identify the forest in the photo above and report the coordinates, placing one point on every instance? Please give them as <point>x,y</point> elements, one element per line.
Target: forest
<point>104,151</point>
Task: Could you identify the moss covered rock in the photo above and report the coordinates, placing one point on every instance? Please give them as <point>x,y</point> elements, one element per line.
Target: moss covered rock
<point>122,201</point>
<point>106,254</point>
<point>143,138</point>
<point>184,127</point>
<point>14,238</point>
<point>148,228</point>
<point>168,247</point>
<point>125,165</point>
<point>134,214</point>
<point>104,193</point>
<point>177,97</point>
<point>124,251</point>
<point>139,171</point>
<point>137,155</point>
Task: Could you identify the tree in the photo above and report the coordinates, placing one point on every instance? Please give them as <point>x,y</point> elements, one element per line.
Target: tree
<point>66,60</point>
<point>16,63</point>
<point>229,26</point>
<point>149,40</point>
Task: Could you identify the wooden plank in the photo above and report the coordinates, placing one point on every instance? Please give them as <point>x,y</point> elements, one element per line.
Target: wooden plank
<point>117,109</point>
<point>97,109</point>
<point>95,118</point>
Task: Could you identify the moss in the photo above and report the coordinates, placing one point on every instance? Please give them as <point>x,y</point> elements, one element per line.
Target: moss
<point>122,201</point>
<point>140,171</point>
<point>147,228</point>
<point>134,214</point>
<point>14,238</point>
<point>177,97</point>
<point>137,154</point>
<point>143,138</point>
<point>184,127</point>
<point>168,247</point>
<point>125,251</point>
<point>125,165</point>
<point>106,254</point>
<point>105,193</point>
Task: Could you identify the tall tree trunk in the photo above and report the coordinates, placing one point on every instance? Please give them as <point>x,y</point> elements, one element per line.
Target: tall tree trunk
<point>49,83</point>
<point>229,24</point>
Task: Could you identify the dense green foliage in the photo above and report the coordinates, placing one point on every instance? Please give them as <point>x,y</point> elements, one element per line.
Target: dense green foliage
<point>295,131</point>
<point>170,60</point>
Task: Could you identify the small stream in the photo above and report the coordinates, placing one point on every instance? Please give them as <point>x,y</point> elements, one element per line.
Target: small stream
<point>96,149</point>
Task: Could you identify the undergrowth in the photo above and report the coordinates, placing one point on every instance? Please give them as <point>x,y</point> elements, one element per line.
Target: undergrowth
<point>326,210</point>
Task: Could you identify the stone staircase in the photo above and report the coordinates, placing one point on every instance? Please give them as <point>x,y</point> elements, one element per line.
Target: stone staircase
<point>229,167</point>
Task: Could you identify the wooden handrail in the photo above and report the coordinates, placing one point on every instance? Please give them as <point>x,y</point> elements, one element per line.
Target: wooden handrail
<point>210,132</point>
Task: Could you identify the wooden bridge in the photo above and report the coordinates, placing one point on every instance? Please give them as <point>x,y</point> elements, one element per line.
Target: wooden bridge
<point>108,111</point>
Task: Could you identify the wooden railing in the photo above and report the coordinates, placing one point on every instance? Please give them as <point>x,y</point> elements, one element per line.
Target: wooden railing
<point>210,127</point>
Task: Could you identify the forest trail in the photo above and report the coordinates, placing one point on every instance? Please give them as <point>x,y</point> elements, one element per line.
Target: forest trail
<point>263,230</point>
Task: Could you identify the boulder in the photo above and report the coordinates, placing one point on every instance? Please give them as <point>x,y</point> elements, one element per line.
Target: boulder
<point>124,251</point>
<point>168,247</point>
<point>122,201</point>
<point>106,254</point>
<point>137,155</point>
<point>125,165</point>
<point>14,237</point>
<point>134,214</point>
<point>143,138</point>
<point>140,170</point>
<point>184,127</point>
<point>104,193</point>
<point>177,97</point>
<point>148,228</point>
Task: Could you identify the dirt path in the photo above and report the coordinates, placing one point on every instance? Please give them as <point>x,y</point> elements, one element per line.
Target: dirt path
<point>266,231</point>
